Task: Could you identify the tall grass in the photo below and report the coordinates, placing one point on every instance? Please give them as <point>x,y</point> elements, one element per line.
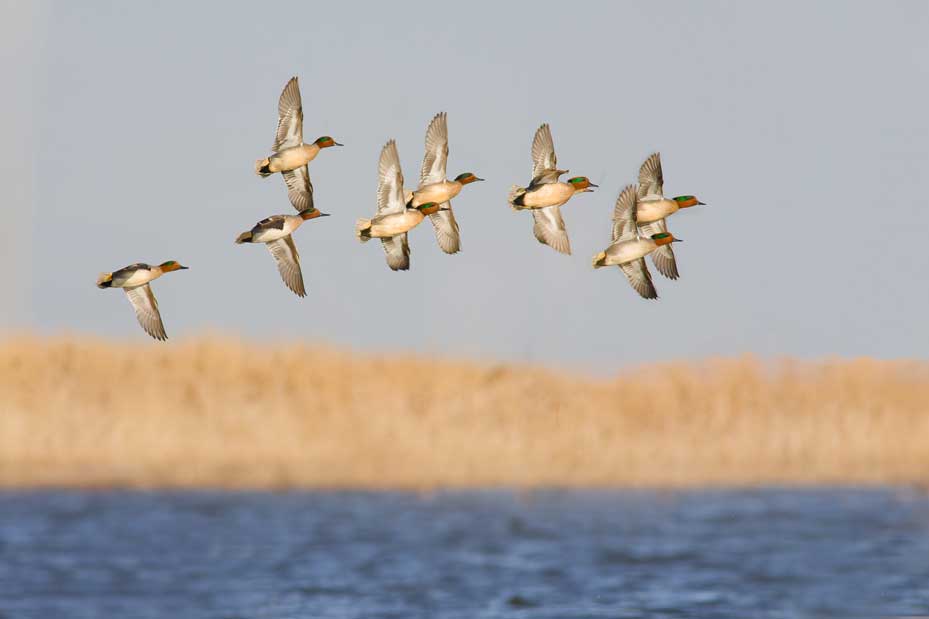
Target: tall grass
<point>223,413</point>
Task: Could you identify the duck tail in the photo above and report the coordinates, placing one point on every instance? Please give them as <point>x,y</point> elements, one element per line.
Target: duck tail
<point>245,237</point>
<point>516,197</point>
<point>105,280</point>
<point>263,167</point>
<point>363,230</point>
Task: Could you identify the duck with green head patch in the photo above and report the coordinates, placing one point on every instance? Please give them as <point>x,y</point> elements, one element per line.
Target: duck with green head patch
<point>652,208</point>
<point>276,233</point>
<point>627,249</point>
<point>393,219</point>
<point>545,193</point>
<point>433,186</point>
<point>290,155</point>
<point>134,279</point>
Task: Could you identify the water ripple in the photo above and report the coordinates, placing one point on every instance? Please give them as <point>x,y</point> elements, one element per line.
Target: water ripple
<point>491,554</point>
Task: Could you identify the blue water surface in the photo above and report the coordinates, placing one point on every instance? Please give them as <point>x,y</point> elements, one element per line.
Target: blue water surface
<point>468,555</point>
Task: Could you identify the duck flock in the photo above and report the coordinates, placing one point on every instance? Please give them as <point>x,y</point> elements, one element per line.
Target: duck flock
<point>639,217</point>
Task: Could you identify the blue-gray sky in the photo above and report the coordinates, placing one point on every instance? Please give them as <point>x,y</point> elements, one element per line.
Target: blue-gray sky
<point>803,125</point>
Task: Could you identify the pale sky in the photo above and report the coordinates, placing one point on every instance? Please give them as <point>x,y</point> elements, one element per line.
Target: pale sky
<point>803,126</point>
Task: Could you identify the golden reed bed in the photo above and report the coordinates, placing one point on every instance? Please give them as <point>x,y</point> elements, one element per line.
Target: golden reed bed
<point>223,413</point>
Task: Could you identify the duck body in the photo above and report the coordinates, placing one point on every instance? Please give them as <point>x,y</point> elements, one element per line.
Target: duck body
<point>290,155</point>
<point>543,195</point>
<point>653,208</point>
<point>392,224</point>
<point>274,228</point>
<point>392,219</point>
<point>628,248</point>
<point>137,274</point>
<point>625,252</point>
<point>134,280</point>
<point>439,192</point>
<point>275,232</point>
<point>435,187</point>
<point>288,159</point>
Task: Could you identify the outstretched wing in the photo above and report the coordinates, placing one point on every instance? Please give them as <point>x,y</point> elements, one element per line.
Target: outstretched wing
<point>398,252</point>
<point>446,229</point>
<point>624,216</point>
<point>663,257</point>
<point>288,263</point>
<point>637,274</point>
<point>146,310</point>
<point>299,188</point>
<point>543,151</point>
<point>389,181</point>
<point>549,228</point>
<point>651,180</point>
<point>289,118</point>
<point>436,156</point>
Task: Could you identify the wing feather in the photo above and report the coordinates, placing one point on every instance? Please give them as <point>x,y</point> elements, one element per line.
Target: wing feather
<point>637,274</point>
<point>651,180</point>
<point>436,157</point>
<point>543,151</point>
<point>624,215</point>
<point>446,229</point>
<point>146,310</point>
<point>299,188</point>
<point>549,229</point>
<point>397,249</point>
<point>289,118</point>
<point>389,181</point>
<point>288,263</point>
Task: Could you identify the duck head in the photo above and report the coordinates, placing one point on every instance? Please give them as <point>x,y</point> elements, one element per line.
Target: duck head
<point>430,207</point>
<point>467,177</point>
<point>664,238</point>
<point>326,141</point>
<point>171,265</point>
<point>312,213</point>
<point>685,201</point>
<point>581,184</point>
<point>599,260</point>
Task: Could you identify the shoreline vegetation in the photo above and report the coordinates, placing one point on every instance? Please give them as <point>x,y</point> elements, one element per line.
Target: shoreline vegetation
<point>224,413</point>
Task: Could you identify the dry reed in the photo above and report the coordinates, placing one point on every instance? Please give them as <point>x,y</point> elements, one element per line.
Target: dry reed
<point>223,413</point>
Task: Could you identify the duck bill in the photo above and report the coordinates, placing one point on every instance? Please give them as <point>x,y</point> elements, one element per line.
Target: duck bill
<point>589,184</point>
<point>334,143</point>
<point>699,203</point>
<point>676,240</point>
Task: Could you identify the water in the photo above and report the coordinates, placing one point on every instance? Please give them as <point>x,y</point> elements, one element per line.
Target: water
<point>564,554</point>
